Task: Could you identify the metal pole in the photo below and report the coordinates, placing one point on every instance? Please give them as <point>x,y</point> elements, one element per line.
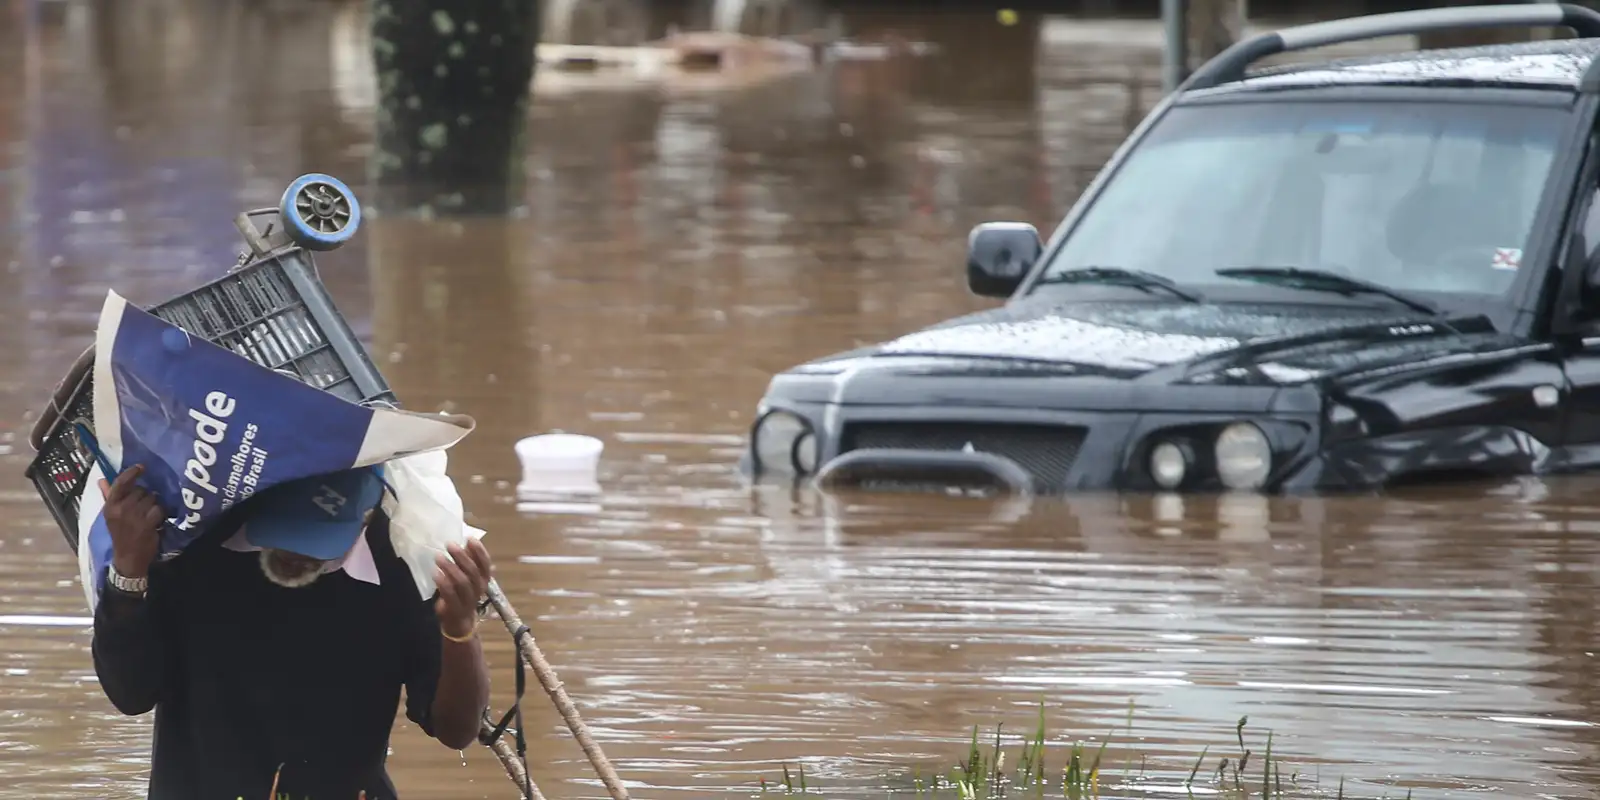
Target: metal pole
<point>1175,52</point>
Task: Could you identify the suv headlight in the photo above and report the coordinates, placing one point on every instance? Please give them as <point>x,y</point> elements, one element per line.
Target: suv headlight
<point>1169,464</point>
<point>783,444</point>
<point>1244,456</point>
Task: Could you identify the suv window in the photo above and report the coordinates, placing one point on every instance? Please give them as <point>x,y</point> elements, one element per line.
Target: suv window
<point>1431,197</point>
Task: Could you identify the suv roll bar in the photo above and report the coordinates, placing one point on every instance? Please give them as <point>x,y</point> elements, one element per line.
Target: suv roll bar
<point>1230,64</point>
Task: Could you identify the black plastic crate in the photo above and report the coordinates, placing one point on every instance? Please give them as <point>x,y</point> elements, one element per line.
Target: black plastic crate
<point>273,310</point>
<point>59,470</point>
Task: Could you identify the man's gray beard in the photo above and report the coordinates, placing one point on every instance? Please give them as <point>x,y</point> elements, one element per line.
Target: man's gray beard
<point>270,569</point>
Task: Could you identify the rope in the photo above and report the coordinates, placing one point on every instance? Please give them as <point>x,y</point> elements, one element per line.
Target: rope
<point>516,765</point>
<point>491,737</point>
<point>521,634</point>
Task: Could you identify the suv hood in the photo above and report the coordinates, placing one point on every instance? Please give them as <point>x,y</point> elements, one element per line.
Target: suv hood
<point>1166,342</point>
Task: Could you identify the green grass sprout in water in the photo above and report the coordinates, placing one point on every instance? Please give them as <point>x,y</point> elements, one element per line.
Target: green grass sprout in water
<point>1002,766</point>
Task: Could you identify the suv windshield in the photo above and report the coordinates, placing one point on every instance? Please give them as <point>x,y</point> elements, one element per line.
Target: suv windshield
<point>1429,197</point>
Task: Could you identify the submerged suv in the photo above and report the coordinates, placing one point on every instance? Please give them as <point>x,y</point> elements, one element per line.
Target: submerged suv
<point>1302,278</point>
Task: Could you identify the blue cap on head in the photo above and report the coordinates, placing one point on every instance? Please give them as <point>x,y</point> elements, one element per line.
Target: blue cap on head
<point>318,517</point>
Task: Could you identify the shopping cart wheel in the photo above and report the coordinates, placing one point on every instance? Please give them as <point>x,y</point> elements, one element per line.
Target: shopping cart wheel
<point>320,211</point>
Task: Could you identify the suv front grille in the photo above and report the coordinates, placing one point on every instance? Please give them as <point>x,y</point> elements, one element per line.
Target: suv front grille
<point>1046,452</point>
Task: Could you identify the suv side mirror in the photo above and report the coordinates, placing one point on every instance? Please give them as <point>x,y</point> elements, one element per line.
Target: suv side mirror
<point>1589,289</point>
<point>1580,310</point>
<point>999,255</point>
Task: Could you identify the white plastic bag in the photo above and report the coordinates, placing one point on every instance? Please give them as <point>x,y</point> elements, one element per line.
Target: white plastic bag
<point>425,514</point>
<point>89,505</point>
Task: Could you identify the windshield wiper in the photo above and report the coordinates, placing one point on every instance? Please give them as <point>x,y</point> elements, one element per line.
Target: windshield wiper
<point>1318,280</point>
<point>1137,278</point>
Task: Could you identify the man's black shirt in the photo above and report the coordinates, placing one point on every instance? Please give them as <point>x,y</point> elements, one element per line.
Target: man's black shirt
<point>245,675</point>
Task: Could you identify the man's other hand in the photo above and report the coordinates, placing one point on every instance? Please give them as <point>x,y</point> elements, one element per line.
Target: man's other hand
<point>133,517</point>
<point>462,579</point>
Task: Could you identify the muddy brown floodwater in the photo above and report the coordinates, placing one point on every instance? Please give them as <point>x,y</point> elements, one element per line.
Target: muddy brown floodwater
<point>679,245</point>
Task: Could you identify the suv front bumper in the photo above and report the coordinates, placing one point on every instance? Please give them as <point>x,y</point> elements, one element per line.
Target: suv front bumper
<point>1012,450</point>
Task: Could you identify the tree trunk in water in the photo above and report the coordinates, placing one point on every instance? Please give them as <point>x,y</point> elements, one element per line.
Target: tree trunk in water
<point>453,85</point>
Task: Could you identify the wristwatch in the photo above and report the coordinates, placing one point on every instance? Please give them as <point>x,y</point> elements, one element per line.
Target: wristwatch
<point>122,583</point>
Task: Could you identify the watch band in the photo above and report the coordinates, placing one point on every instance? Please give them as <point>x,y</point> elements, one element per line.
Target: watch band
<point>122,583</point>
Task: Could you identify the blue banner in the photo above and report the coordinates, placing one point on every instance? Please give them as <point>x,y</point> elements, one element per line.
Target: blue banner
<point>212,428</point>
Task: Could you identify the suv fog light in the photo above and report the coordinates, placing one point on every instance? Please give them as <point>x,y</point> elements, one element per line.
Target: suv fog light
<point>1244,458</point>
<point>1168,465</point>
<point>776,437</point>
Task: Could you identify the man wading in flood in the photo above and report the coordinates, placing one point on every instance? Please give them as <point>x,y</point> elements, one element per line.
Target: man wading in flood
<point>282,638</point>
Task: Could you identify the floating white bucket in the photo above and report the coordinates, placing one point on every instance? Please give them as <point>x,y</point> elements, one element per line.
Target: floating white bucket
<point>559,463</point>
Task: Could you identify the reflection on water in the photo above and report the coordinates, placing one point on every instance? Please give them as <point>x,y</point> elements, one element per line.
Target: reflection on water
<point>676,248</point>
